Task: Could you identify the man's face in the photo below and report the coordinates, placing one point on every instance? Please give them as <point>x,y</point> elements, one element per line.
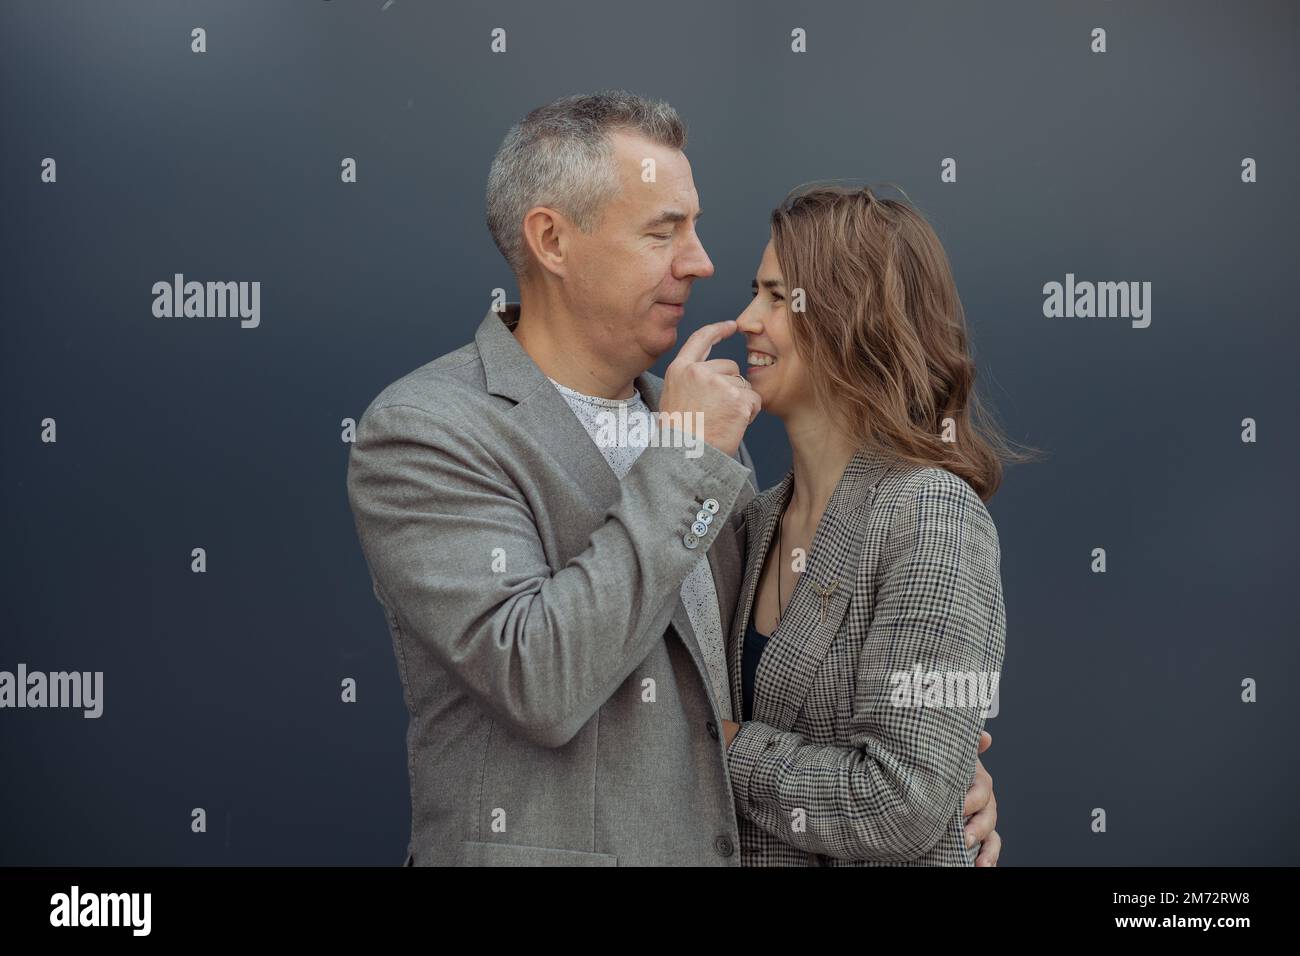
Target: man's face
<point>630,277</point>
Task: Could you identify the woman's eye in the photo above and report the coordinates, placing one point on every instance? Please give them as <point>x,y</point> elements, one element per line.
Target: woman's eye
<point>777,297</point>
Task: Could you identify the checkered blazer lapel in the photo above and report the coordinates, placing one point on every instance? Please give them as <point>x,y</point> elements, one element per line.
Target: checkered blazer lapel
<point>803,638</point>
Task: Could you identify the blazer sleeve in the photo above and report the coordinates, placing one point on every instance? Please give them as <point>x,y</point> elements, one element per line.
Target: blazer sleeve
<point>890,794</point>
<point>742,455</point>
<point>541,649</point>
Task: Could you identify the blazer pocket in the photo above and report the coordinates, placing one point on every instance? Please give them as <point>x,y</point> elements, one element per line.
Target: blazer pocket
<point>474,853</point>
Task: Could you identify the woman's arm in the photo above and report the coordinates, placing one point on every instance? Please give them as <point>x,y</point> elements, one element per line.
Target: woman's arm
<point>890,794</point>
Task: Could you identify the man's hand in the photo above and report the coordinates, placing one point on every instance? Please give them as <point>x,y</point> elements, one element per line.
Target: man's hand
<point>706,393</point>
<point>981,810</point>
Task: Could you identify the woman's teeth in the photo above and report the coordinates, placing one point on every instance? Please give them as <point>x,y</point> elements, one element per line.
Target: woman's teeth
<point>758,358</point>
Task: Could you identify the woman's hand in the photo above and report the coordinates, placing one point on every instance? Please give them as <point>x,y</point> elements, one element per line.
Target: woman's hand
<point>981,809</point>
<point>730,729</point>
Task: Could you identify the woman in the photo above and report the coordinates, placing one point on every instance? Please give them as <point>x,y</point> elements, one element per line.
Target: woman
<point>870,628</point>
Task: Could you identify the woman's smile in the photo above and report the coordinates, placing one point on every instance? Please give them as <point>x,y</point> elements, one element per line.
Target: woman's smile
<point>757,361</point>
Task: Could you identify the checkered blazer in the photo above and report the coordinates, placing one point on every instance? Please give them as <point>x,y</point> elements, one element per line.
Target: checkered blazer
<point>833,770</point>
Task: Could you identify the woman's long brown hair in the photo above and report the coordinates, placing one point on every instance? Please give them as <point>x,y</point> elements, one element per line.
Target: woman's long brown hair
<point>883,333</point>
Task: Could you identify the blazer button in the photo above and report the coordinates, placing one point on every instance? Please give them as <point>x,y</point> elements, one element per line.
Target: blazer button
<point>713,730</point>
<point>690,541</point>
<point>705,516</point>
<point>723,846</point>
<point>700,528</point>
<point>711,505</point>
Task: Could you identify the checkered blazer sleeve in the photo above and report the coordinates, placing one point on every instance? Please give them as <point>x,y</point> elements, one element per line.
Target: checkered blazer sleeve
<point>890,791</point>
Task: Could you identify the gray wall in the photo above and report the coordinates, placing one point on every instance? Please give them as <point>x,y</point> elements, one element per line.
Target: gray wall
<point>221,690</point>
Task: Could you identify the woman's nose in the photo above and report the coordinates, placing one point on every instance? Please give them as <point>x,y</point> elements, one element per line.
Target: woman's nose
<point>748,321</point>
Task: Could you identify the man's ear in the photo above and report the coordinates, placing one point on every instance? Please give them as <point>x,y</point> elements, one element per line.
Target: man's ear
<point>545,234</point>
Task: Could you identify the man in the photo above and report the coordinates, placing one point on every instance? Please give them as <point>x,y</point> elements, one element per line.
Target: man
<point>558,607</point>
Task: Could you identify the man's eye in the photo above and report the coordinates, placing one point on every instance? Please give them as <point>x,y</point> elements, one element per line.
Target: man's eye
<point>666,235</point>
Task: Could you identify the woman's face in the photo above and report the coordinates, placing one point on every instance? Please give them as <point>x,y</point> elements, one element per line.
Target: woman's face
<point>780,377</point>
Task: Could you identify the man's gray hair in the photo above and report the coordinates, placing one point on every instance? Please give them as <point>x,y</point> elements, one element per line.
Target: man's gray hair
<point>559,155</point>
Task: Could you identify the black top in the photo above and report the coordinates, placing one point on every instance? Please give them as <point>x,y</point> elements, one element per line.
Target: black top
<point>753,648</point>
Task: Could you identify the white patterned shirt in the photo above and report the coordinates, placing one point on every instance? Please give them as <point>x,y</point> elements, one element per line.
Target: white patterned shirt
<point>698,593</point>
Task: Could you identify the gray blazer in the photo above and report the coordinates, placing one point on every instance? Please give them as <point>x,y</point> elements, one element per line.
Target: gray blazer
<point>560,710</point>
<point>832,771</point>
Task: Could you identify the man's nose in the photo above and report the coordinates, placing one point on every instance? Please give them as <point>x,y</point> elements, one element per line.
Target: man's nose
<point>693,260</point>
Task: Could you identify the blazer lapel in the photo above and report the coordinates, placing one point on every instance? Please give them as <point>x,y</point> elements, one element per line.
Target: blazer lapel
<point>511,373</point>
<point>758,523</point>
<point>804,636</point>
